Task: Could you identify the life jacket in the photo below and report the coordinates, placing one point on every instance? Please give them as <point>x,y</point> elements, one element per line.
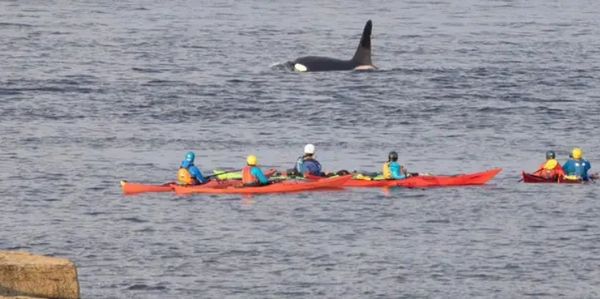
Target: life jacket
<point>311,166</point>
<point>247,177</point>
<point>184,177</point>
<point>550,169</point>
<point>579,169</point>
<point>387,173</point>
<point>547,169</point>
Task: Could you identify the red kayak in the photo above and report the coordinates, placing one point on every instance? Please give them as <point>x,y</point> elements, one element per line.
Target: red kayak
<point>279,187</point>
<point>137,188</point>
<point>424,181</point>
<point>532,178</point>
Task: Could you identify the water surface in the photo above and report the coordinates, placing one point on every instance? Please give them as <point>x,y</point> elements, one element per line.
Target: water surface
<point>95,92</point>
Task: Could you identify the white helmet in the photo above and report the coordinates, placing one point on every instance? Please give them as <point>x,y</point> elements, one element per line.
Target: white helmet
<point>309,149</point>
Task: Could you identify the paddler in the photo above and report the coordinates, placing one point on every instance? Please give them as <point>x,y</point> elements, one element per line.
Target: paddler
<point>550,169</point>
<point>577,167</point>
<point>188,173</point>
<point>307,164</point>
<point>252,175</point>
<point>392,170</point>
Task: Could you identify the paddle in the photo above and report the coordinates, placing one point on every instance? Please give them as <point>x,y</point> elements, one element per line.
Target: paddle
<point>269,172</point>
<point>220,173</point>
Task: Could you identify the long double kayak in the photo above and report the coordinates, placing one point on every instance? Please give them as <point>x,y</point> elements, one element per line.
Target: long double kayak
<point>130,188</point>
<point>278,187</point>
<point>426,181</point>
<point>532,178</point>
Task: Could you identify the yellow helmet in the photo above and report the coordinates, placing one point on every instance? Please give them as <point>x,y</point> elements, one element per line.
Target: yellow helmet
<point>576,153</point>
<point>251,160</point>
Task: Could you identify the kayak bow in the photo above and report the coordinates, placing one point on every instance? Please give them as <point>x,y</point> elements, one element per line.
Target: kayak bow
<point>136,188</point>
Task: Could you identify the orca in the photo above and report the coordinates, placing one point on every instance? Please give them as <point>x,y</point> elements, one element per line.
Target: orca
<point>360,61</point>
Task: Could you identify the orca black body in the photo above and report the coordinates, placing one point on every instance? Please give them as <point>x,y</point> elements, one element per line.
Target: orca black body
<point>360,61</point>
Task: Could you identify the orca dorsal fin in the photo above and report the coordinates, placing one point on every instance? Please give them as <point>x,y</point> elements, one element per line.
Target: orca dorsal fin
<point>363,53</point>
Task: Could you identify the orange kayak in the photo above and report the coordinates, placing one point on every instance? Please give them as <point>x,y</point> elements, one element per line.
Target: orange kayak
<point>279,187</point>
<point>137,188</point>
<point>478,178</point>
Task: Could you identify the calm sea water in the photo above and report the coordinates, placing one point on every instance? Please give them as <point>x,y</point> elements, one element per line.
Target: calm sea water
<point>92,92</point>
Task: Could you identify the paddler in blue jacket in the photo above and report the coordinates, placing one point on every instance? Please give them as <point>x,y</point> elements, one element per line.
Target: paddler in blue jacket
<point>188,173</point>
<point>392,170</point>
<point>577,167</point>
<point>252,175</point>
<point>307,164</point>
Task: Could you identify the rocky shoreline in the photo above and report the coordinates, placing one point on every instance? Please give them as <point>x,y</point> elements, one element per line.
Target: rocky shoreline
<point>25,275</point>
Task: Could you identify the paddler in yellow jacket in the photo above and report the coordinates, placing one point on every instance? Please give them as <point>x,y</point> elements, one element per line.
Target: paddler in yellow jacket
<point>188,173</point>
<point>550,169</point>
<point>392,170</point>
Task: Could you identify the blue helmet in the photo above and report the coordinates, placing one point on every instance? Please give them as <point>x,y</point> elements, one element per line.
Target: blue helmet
<point>190,156</point>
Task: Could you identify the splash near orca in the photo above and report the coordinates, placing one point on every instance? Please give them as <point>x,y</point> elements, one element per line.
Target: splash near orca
<point>360,61</point>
